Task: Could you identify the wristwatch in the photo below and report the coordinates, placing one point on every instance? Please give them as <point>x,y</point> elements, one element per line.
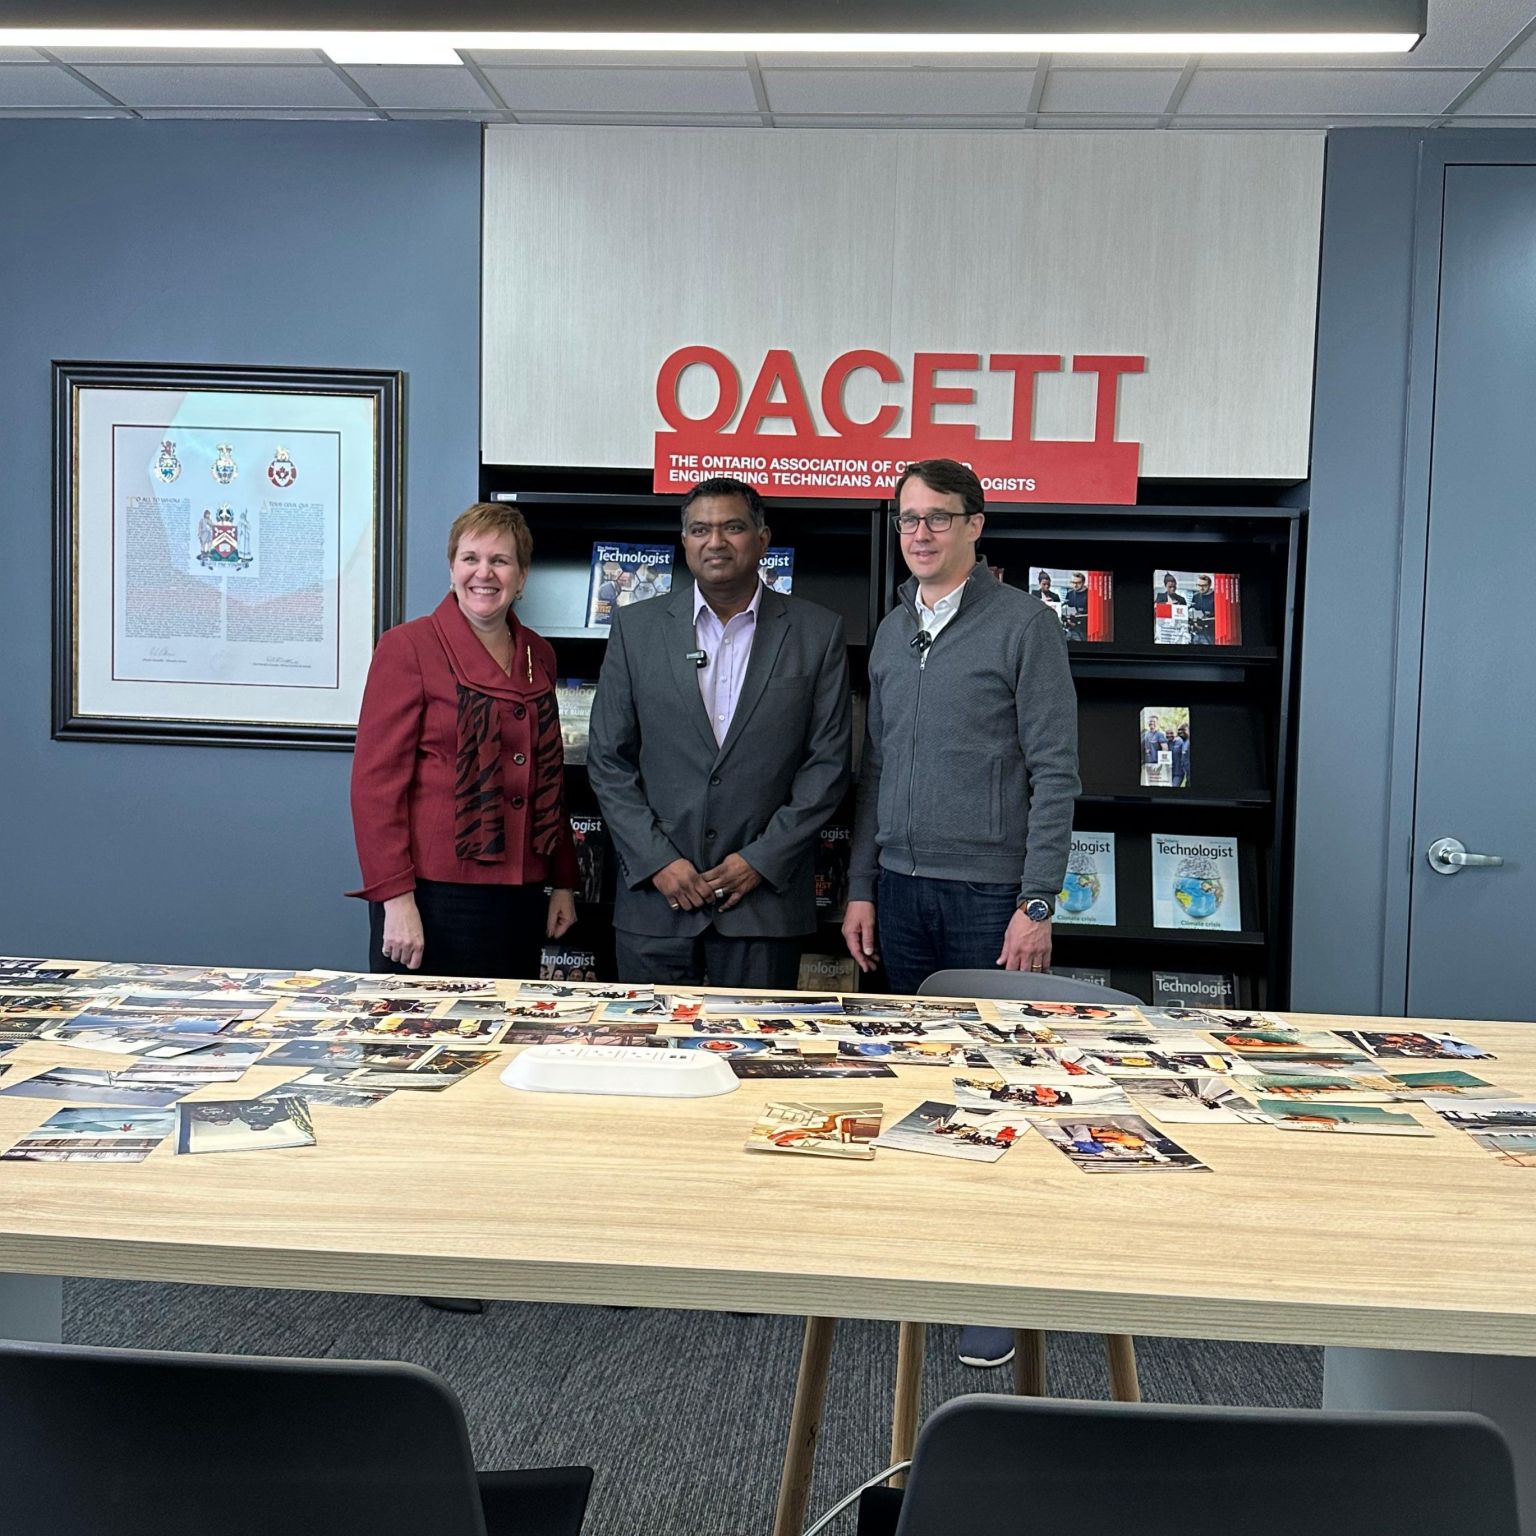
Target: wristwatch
<point>1037,909</point>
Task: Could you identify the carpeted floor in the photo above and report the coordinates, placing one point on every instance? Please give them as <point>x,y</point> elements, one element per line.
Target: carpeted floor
<point>682,1414</point>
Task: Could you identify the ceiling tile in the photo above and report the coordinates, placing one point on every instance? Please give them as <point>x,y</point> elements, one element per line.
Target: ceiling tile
<point>189,55</point>
<point>1524,57</point>
<point>20,56</point>
<point>1509,93</point>
<point>262,114</point>
<point>1109,90</point>
<point>637,89</point>
<point>535,58</point>
<point>1014,122</point>
<point>645,119</point>
<point>1092,120</point>
<point>44,85</point>
<point>222,85</point>
<point>421,86</point>
<point>898,60</point>
<point>899,92</point>
<point>1339,92</point>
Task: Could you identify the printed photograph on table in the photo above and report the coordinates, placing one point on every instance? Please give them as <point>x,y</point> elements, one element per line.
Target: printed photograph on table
<point>900,1053</point>
<point>334,1095</point>
<point>1068,1097</point>
<point>87,1085</point>
<point>1314,1044</point>
<point>1116,1144</point>
<point>243,1125</point>
<point>790,1004</point>
<point>1084,601</point>
<point>872,1008</point>
<point>1066,1015</point>
<point>93,1136</point>
<point>777,569</point>
<point>1517,1148</point>
<point>1195,1101</point>
<point>229,543</point>
<point>1087,894</point>
<point>946,1130</point>
<point>843,1130</point>
<point>1354,1119</point>
<point>1196,608</point>
<point>1413,1043</point>
<point>1417,1085</point>
<point>623,574</point>
<point>1332,1087</point>
<point>1164,745</point>
<point>1486,1114</point>
<point>789,1066</point>
<point>1195,883</point>
<point>573,698</point>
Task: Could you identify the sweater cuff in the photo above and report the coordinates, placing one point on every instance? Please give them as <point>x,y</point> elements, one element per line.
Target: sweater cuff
<point>386,889</point>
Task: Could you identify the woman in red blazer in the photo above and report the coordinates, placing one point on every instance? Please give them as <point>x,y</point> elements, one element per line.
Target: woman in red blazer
<point>458,792</point>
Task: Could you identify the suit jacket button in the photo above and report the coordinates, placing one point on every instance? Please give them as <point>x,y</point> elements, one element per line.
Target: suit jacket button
<point>519,710</point>
<point>709,835</point>
<point>714,778</point>
<point>519,759</point>
<point>517,802</point>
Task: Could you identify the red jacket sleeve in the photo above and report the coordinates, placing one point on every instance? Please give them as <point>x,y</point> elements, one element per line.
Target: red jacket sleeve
<point>384,766</point>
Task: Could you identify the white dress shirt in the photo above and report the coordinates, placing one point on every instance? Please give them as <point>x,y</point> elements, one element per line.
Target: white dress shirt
<point>728,648</point>
<point>934,619</point>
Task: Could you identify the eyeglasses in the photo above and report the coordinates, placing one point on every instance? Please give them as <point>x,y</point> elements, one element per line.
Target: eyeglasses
<point>937,522</point>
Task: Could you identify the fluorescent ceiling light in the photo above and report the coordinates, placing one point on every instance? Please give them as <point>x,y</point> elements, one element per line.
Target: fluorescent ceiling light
<point>443,47</point>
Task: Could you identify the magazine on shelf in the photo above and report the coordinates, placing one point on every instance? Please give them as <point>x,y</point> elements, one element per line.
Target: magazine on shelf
<point>623,574</point>
<point>1084,601</point>
<point>1196,608</point>
<point>1165,744</point>
<point>567,964</point>
<point>1088,892</point>
<point>573,697</point>
<point>834,845</point>
<point>777,569</point>
<point>1195,883</point>
<point>828,973</point>
<point>591,856</point>
<point>1193,989</point>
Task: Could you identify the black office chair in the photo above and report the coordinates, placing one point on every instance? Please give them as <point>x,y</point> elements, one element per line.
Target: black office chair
<point>121,1442</point>
<point>1022,986</point>
<point>1016,1467</point>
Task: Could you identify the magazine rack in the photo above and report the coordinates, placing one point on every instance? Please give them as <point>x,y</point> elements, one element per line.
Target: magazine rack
<point>846,557</point>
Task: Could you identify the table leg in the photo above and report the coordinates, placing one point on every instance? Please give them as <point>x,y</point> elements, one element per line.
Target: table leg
<point>804,1424</point>
<point>909,1386</point>
<point>1124,1386</point>
<point>1029,1362</point>
<point>1498,1386</point>
<point>32,1308</point>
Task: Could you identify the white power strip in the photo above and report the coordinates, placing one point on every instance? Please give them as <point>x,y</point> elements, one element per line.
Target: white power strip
<point>632,1069</point>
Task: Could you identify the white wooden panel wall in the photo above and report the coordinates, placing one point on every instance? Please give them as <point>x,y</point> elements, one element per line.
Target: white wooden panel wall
<point>608,248</point>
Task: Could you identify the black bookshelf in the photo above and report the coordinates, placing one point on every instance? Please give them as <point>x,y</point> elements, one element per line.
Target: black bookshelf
<point>847,558</point>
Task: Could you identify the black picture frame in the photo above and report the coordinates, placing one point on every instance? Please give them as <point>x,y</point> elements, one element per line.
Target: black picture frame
<point>382,391</point>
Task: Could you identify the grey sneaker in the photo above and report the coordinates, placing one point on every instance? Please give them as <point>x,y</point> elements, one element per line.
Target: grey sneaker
<point>985,1347</point>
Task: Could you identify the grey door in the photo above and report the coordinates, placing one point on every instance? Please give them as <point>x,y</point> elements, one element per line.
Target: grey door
<point>1472,935</point>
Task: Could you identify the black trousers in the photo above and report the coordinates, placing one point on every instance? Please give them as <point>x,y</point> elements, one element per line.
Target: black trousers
<point>469,930</point>
<point>708,959</point>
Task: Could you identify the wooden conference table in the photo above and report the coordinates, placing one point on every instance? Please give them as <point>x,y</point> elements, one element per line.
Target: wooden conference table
<point>483,1191</point>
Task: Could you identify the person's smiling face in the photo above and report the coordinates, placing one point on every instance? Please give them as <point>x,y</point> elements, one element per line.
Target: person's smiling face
<point>486,576</point>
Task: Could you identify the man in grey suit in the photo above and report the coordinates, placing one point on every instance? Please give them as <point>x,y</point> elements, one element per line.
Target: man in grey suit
<point>719,748</point>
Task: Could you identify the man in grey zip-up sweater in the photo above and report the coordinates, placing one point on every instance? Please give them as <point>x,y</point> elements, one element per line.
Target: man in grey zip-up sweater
<point>965,798</point>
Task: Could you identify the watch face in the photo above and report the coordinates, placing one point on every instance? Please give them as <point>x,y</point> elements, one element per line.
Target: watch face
<point>1037,910</point>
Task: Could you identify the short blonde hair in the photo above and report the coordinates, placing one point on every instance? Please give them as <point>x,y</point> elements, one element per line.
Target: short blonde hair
<point>492,517</point>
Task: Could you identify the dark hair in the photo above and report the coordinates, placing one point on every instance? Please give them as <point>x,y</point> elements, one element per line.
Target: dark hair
<point>948,478</point>
<point>726,485</point>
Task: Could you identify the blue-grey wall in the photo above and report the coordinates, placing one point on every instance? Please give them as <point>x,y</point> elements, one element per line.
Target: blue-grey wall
<point>351,245</point>
<point>1349,629</point>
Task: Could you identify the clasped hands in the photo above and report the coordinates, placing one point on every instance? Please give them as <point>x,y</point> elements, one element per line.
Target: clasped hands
<point>687,889</point>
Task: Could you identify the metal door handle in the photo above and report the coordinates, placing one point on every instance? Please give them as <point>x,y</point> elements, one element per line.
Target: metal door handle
<point>1448,856</point>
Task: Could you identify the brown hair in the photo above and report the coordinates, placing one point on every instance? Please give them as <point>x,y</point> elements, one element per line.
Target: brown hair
<point>948,478</point>
<point>492,517</point>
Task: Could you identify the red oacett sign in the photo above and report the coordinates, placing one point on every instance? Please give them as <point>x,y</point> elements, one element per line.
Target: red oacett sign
<point>864,458</point>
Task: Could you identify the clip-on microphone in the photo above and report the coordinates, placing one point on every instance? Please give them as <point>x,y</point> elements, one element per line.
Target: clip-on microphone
<point>920,641</point>
<point>700,659</point>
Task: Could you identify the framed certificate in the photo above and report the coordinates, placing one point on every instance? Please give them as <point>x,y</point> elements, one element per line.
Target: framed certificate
<point>227,550</point>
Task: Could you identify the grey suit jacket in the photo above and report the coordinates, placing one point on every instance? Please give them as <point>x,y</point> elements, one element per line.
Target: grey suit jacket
<point>668,791</point>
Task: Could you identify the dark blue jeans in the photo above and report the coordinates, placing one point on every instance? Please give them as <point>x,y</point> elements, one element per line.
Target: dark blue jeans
<point>926,925</point>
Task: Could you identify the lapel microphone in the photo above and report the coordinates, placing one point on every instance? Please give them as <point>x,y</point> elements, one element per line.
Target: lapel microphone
<point>920,641</point>
<point>700,659</point>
